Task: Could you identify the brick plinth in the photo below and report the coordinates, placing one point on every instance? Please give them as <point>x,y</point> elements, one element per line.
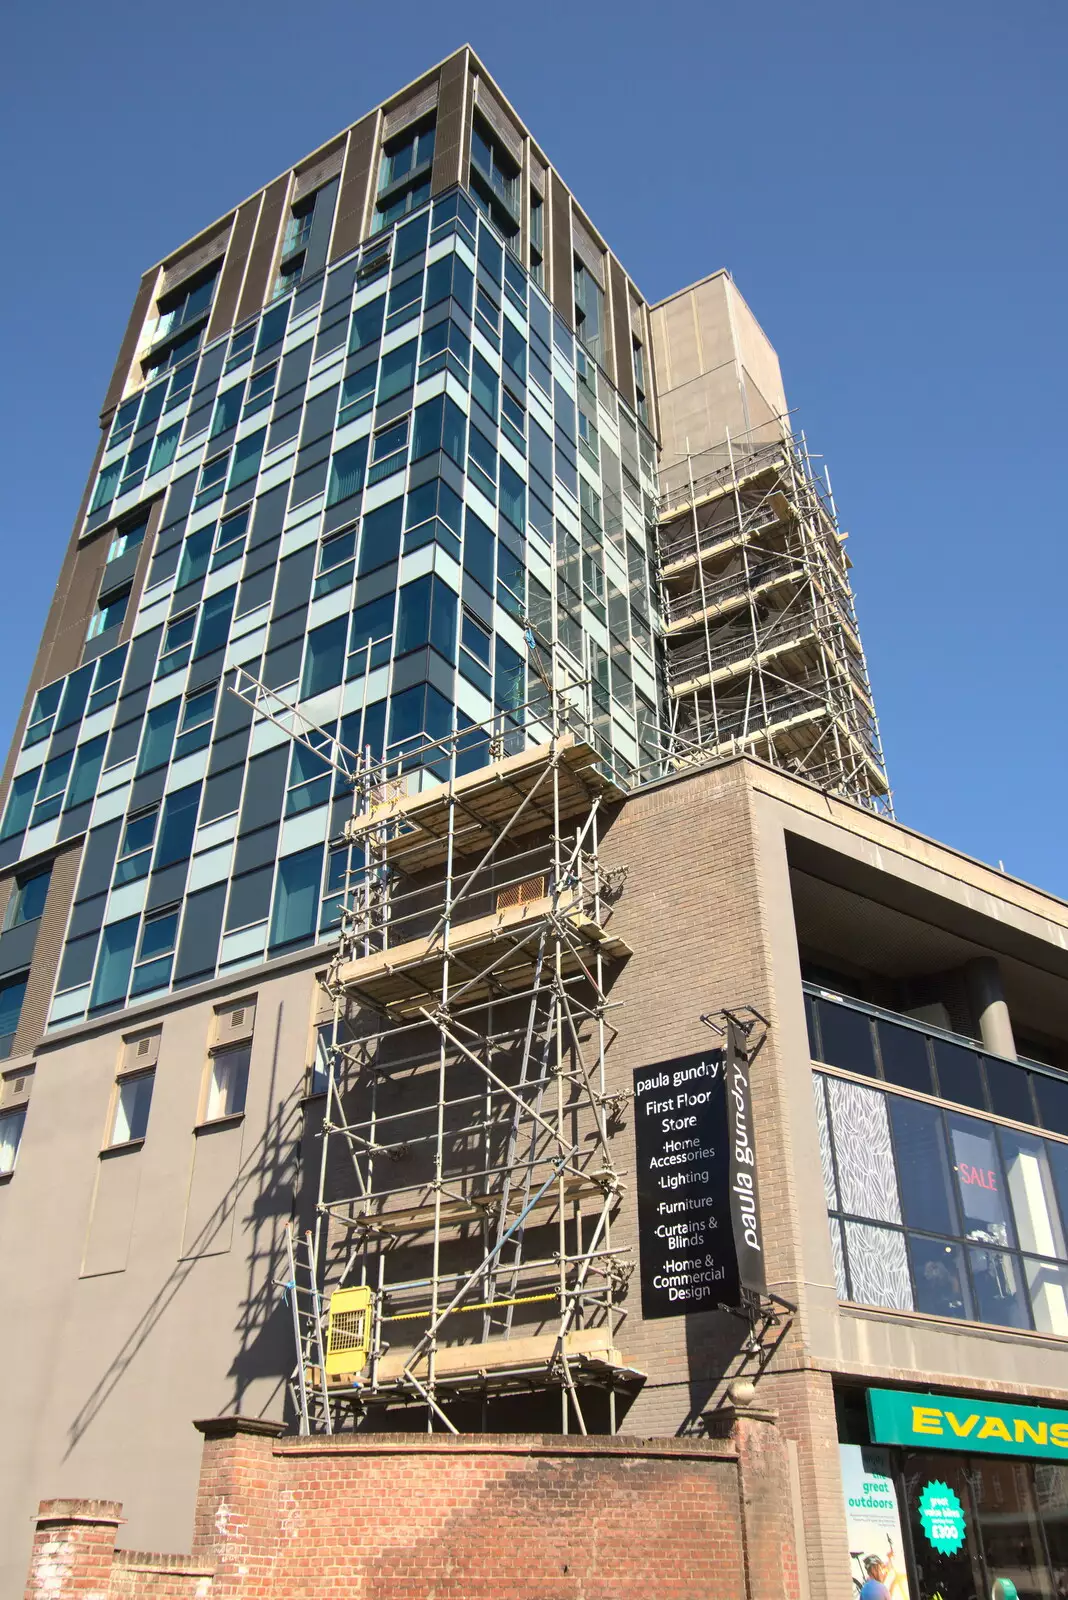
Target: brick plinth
<point>465,1517</point>
<point>73,1548</point>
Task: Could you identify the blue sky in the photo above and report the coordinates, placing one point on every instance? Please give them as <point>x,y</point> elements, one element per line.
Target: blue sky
<point>886,183</point>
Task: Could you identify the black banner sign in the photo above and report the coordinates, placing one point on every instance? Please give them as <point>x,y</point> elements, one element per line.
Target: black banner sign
<point>699,1232</point>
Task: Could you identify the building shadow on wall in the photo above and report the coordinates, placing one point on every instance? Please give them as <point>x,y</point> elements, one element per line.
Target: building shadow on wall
<point>257,1202</point>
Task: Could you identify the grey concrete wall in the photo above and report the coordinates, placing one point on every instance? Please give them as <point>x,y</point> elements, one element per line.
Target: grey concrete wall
<point>137,1286</point>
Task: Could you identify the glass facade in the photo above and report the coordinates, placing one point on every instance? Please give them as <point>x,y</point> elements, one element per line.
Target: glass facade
<point>379,498</point>
<point>934,1208</point>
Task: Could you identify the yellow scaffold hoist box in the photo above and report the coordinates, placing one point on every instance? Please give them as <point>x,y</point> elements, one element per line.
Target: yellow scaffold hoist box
<point>348,1338</point>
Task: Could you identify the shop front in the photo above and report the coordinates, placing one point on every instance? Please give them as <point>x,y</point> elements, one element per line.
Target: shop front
<point>954,1499</point>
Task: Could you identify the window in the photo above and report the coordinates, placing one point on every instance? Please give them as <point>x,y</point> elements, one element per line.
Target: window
<point>337,562</point>
<point>513,497</point>
<point>357,395</point>
<point>174,353</point>
<point>214,627</point>
<point>370,635</point>
<point>247,453</point>
<point>494,180</point>
<point>404,174</point>
<point>427,615</point>
<point>640,389</point>
<point>397,371</point>
<point>939,1212</point>
<point>155,952</point>
<point>324,660</point>
<point>212,479</point>
<point>272,328</point>
<point>380,537</point>
<point>20,803</point>
<point>106,485</point>
<point>589,311</point>
<point>260,390</point>
<point>405,298</point>
<point>113,963</point>
<point>135,851</point>
<point>440,425</point>
<point>43,714</point>
<point>230,539</point>
<point>433,514</point>
<point>12,994</point>
<point>133,1101</point>
<point>449,277</point>
<point>309,774</point>
<point>227,410</point>
<point>509,678</point>
<point>11,1126</point>
<point>227,1083</point>
<point>484,385</point>
<point>28,900</point>
<point>108,676</point>
<point>181,384</point>
<point>296,898</point>
<point>158,738</point>
<point>389,451</point>
<point>196,553</point>
<point>127,538</point>
<point>164,448</point>
<point>298,230</point>
<point>51,788</point>
<point>514,422</point>
<point>109,613</point>
<point>346,472</point>
<point>125,418</point>
<point>366,326</point>
<point>514,351</point>
<point>176,830</point>
<point>177,643</point>
<point>537,238</point>
<point>198,713</point>
<point>240,348</point>
<point>511,580</point>
<point>445,348</point>
<point>482,463</point>
<point>187,303</point>
<point>87,764</point>
<point>479,546</point>
<point>475,654</point>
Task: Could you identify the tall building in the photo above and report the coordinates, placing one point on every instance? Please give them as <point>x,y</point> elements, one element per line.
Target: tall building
<point>449,754</point>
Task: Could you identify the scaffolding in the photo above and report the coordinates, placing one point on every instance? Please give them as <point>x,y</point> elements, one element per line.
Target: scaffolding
<point>462,1252</point>
<point>762,649</point>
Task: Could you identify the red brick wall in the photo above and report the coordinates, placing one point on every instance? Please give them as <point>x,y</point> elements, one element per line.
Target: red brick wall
<point>471,1517</point>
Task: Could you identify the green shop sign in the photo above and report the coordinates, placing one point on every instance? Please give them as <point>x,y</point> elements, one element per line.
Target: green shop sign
<point>938,1422</point>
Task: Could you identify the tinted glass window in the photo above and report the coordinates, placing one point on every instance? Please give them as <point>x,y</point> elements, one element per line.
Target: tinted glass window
<point>923,1166</point>
<point>980,1181</point>
<point>846,1038</point>
<point>1009,1088</point>
<point>905,1058</point>
<point>1052,1097</point>
<point>940,1277</point>
<point>958,1074</point>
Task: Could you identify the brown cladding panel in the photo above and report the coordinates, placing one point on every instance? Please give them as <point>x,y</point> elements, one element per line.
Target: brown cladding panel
<point>355,177</point>
<point>261,257</point>
<point>621,330</point>
<point>563,285</point>
<point>128,348</point>
<point>233,272</point>
<point>449,138</point>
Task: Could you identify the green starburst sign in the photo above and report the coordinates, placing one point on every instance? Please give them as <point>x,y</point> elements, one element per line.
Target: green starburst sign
<point>942,1517</point>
